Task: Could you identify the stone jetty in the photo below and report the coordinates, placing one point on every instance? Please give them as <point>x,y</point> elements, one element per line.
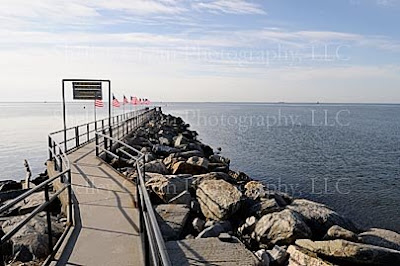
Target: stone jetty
<point>211,214</point>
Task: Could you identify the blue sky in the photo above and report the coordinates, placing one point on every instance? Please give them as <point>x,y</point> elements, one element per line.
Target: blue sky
<point>204,50</point>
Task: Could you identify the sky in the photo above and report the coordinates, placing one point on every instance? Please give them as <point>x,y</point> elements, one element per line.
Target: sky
<point>204,50</point>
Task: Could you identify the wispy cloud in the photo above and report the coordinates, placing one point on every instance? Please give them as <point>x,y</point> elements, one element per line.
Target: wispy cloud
<point>229,7</point>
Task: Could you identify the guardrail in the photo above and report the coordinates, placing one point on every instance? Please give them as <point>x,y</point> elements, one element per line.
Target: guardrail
<point>154,245</point>
<point>61,164</point>
<point>82,134</point>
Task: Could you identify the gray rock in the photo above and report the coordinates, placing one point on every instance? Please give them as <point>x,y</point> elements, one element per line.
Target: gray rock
<point>263,257</point>
<point>156,167</point>
<point>254,190</point>
<point>248,227</point>
<point>172,219</point>
<point>163,150</point>
<point>164,141</point>
<point>239,176</point>
<point>148,157</point>
<point>319,217</point>
<point>168,187</point>
<point>337,232</point>
<point>381,237</point>
<point>182,198</point>
<point>219,159</point>
<point>263,207</point>
<point>280,228</point>
<point>197,179</point>
<point>187,168</point>
<point>198,161</point>
<point>350,252</point>
<point>32,239</point>
<point>278,255</point>
<point>302,257</point>
<point>188,154</point>
<point>179,140</point>
<point>215,230</point>
<point>218,199</point>
<point>209,251</point>
<point>198,224</point>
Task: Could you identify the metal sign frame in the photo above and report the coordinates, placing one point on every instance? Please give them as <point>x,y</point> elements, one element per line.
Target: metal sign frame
<point>63,97</point>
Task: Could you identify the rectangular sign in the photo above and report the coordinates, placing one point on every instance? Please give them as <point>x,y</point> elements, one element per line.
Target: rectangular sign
<point>87,90</point>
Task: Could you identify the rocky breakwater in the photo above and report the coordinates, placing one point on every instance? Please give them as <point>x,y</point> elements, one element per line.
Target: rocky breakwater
<point>29,246</point>
<point>211,214</point>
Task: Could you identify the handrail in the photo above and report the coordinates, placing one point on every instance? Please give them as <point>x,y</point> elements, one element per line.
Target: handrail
<point>155,248</point>
<point>60,159</point>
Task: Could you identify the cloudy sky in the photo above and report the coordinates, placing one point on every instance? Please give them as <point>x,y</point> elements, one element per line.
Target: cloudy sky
<point>204,50</point>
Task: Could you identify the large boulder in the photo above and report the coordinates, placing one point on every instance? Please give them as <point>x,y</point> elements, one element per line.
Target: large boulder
<point>188,154</point>
<point>163,150</point>
<point>215,230</point>
<point>198,161</point>
<point>156,166</point>
<point>172,219</point>
<point>254,190</point>
<point>303,257</point>
<point>352,253</point>
<point>239,176</point>
<point>181,167</point>
<point>218,199</point>
<point>170,186</point>
<point>179,140</point>
<point>219,159</point>
<point>337,232</point>
<point>381,237</point>
<point>31,241</point>
<point>280,228</point>
<point>263,207</point>
<point>319,217</point>
<point>197,179</point>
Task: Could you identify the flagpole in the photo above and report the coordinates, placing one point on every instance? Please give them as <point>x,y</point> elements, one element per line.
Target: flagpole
<point>95,119</point>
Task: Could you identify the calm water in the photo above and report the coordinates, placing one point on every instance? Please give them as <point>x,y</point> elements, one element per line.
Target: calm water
<point>347,156</point>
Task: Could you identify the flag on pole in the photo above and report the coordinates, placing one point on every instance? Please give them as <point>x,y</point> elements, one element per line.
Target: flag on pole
<point>134,100</point>
<point>98,103</point>
<point>125,100</point>
<point>115,102</point>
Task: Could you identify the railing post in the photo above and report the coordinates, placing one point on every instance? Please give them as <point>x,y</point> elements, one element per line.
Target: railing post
<point>55,156</point>
<point>46,195</point>
<point>88,129</point>
<point>77,136</point>
<point>97,143</point>
<point>69,189</point>
<point>102,124</point>
<point>50,147</point>
<point>60,159</point>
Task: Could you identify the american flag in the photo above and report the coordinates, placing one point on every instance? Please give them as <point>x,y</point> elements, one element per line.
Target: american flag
<point>146,101</point>
<point>125,100</point>
<point>134,100</point>
<point>98,103</point>
<point>115,102</point>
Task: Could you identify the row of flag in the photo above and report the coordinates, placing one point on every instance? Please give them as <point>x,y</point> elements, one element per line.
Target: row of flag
<point>134,101</point>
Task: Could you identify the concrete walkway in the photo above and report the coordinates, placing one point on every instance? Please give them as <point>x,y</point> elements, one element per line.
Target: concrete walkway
<point>106,230</point>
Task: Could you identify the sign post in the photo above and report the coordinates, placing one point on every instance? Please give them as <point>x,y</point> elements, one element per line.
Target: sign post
<point>86,89</point>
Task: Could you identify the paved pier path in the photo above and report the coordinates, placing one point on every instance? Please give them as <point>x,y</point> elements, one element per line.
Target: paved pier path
<point>106,230</point>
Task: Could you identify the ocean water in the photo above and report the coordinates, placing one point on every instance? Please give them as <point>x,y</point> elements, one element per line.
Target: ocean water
<point>344,155</point>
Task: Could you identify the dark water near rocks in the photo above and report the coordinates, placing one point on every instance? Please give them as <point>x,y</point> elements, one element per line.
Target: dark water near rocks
<point>347,156</point>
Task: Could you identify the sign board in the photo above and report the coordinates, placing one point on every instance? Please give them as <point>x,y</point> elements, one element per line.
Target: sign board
<point>87,90</point>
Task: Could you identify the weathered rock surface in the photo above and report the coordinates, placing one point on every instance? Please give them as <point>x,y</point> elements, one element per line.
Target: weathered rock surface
<point>254,190</point>
<point>319,217</point>
<point>198,161</point>
<point>209,251</point>
<point>350,252</point>
<point>156,166</point>
<point>215,230</point>
<point>280,228</point>
<point>31,241</point>
<point>302,257</point>
<point>263,207</point>
<point>263,257</point>
<point>182,198</point>
<point>168,187</point>
<point>337,232</point>
<point>381,237</point>
<point>278,255</point>
<point>172,219</point>
<point>187,168</point>
<point>197,179</point>
<point>218,199</point>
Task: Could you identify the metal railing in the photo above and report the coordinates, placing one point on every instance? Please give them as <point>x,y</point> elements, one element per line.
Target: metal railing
<point>154,245</point>
<point>61,164</point>
<point>80,135</point>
